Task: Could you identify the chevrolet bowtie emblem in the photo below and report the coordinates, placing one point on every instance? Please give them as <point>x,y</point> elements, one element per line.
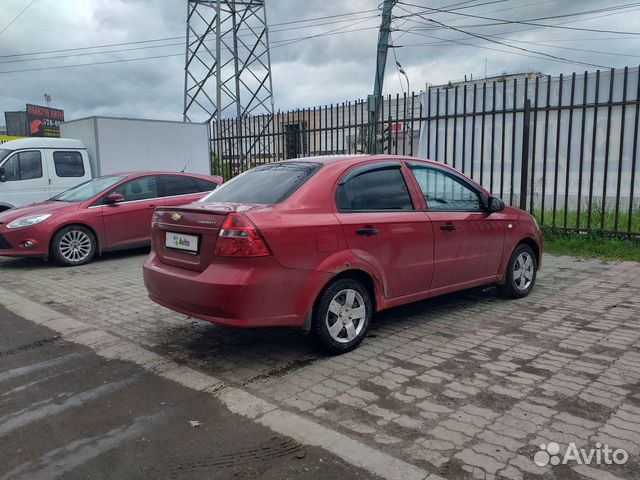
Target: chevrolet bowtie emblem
<point>175,217</point>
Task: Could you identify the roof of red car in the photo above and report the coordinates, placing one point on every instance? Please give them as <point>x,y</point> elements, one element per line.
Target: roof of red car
<point>139,174</point>
<point>353,158</point>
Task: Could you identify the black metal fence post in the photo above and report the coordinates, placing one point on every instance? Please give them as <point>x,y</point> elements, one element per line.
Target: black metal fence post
<point>524,167</point>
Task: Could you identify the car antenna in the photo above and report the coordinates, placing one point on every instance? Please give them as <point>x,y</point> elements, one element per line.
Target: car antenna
<point>185,166</point>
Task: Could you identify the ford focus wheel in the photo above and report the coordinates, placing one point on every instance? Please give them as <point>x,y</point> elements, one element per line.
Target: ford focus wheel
<point>74,245</point>
<point>342,315</point>
<point>521,272</point>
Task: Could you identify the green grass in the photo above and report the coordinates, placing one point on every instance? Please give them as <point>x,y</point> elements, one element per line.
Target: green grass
<point>597,223</point>
<point>595,239</point>
<point>218,169</point>
<point>591,245</point>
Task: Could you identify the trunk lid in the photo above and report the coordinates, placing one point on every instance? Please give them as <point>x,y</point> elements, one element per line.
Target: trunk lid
<point>176,229</point>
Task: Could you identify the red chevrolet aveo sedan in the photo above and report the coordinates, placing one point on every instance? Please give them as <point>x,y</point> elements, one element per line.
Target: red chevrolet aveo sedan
<point>322,243</point>
<point>107,213</point>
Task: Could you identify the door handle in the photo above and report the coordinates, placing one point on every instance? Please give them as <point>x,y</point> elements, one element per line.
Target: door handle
<point>448,227</point>
<point>367,232</point>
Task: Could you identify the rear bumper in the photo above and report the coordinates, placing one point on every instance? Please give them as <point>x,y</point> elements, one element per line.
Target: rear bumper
<point>236,292</point>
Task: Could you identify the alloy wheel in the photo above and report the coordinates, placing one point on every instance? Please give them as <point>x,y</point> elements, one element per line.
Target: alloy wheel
<point>346,316</point>
<point>75,246</point>
<point>523,271</point>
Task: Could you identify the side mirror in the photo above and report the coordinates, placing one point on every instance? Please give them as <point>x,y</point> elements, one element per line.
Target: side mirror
<point>3,176</point>
<point>495,205</point>
<point>114,198</point>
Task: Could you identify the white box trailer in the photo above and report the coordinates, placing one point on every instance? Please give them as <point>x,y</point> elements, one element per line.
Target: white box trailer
<point>35,169</point>
<point>129,144</point>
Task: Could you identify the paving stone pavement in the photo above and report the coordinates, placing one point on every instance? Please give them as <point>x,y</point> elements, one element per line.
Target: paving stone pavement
<point>465,386</point>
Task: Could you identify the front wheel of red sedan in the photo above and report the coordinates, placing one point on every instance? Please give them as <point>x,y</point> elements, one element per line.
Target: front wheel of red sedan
<point>521,272</point>
<point>341,316</point>
<point>73,245</point>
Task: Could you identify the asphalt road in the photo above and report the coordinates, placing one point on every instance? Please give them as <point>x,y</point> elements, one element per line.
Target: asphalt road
<point>67,413</point>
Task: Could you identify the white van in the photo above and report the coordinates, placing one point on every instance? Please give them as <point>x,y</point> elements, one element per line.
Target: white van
<point>35,169</point>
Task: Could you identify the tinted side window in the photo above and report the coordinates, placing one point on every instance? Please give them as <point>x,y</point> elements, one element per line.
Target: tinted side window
<point>23,166</point>
<point>205,185</point>
<point>375,190</point>
<point>68,164</point>
<point>139,189</point>
<point>444,192</point>
<point>179,185</point>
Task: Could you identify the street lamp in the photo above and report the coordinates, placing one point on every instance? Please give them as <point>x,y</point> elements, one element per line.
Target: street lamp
<point>401,70</point>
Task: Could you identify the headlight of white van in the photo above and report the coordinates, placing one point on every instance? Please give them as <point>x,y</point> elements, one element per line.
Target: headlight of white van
<point>29,221</point>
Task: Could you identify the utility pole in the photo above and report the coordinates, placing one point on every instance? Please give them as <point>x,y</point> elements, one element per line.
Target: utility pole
<point>381,63</point>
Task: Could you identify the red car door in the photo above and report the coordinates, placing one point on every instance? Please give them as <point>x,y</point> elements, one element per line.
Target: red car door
<point>468,240</point>
<point>383,227</point>
<point>129,221</point>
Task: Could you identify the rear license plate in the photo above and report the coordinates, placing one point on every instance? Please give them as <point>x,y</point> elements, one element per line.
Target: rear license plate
<point>181,241</point>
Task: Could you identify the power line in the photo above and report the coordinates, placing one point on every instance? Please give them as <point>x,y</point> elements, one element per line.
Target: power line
<point>395,58</point>
<point>21,60</point>
<point>409,19</point>
<point>527,22</point>
<point>55,57</point>
<point>444,42</point>
<point>121,60</point>
<point>548,55</point>
<point>526,29</point>
<point>448,42</point>
<point>138,42</point>
<point>289,40</point>
<point>475,46</point>
<point>334,31</point>
<point>17,17</point>
<point>95,46</point>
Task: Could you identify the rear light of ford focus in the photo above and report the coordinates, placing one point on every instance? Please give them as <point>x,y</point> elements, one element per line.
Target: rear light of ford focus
<point>238,237</point>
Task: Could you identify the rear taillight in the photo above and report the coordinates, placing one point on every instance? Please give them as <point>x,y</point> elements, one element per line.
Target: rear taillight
<point>238,237</point>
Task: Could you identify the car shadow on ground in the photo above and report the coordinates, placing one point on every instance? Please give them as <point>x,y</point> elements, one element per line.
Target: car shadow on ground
<point>244,356</point>
<point>28,263</point>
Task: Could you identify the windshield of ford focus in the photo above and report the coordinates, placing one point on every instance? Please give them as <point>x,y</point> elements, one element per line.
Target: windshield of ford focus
<point>266,184</point>
<point>87,190</point>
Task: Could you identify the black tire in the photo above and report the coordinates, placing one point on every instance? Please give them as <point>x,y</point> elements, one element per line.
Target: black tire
<point>518,286</point>
<point>86,246</point>
<point>323,318</point>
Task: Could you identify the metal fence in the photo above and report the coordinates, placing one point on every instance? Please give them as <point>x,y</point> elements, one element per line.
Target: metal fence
<point>564,148</point>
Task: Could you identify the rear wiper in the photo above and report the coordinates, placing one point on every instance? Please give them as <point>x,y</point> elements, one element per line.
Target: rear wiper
<point>436,199</point>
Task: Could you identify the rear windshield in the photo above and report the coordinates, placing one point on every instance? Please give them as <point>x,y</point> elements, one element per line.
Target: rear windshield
<point>266,184</point>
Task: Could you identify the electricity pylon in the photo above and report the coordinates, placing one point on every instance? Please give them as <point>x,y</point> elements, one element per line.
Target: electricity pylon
<point>228,66</point>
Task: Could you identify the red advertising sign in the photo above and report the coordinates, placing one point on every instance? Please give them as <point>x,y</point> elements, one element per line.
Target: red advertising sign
<point>44,121</point>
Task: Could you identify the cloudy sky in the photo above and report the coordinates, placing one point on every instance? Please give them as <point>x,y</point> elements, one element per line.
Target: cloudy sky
<point>336,64</point>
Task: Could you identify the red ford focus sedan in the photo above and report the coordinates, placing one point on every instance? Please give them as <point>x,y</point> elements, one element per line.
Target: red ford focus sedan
<point>322,243</point>
<point>107,213</point>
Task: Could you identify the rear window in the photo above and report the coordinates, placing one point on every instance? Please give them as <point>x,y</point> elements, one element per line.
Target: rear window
<point>179,185</point>
<point>68,164</point>
<point>266,184</point>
